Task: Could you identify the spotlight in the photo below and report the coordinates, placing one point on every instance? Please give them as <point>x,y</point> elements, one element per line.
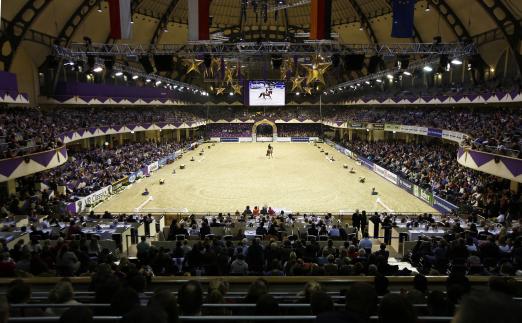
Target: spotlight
<point>98,69</point>
<point>119,73</point>
<point>231,93</point>
<point>456,61</point>
<point>389,76</point>
<point>135,77</point>
<point>297,93</point>
<point>427,7</point>
<point>367,82</point>
<point>158,83</point>
<point>100,10</point>
<point>427,68</point>
<point>147,81</point>
<point>378,80</point>
<point>406,73</point>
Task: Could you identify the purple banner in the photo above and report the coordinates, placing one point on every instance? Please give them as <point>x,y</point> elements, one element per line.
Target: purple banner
<point>366,162</point>
<point>442,205</point>
<point>405,185</point>
<point>433,132</point>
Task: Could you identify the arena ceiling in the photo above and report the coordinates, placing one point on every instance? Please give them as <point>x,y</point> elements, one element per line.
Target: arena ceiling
<point>30,27</point>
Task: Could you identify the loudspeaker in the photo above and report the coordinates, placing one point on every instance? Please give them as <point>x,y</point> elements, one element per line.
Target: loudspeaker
<point>336,59</point>
<point>405,62</point>
<point>108,62</point>
<point>353,62</point>
<point>90,62</point>
<point>147,66</point>
<point>163,63</point>
<point>374,64</point>
<point>207,60</point>
<point>277,61</point>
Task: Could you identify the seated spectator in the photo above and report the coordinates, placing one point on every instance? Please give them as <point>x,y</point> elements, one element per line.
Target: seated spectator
<point>190,298</point>
<point>63,294</point>
<point>488,307</point>
<point>396,308</point>
<point>164,300</point>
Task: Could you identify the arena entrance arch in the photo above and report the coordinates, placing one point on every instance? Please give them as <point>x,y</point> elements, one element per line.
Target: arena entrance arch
<point>264,122</point>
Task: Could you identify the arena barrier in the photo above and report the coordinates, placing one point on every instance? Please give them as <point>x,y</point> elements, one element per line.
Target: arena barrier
<point>428,197</point>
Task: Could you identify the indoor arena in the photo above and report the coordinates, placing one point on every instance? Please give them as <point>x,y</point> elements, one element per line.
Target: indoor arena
<point>166,161</point>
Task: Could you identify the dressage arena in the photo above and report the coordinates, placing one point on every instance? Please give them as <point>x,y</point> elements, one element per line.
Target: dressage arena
<point>229,176</point>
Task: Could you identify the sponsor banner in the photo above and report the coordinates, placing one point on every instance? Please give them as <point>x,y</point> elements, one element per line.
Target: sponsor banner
<point>131,178</point>
<point>347,152</point>
<point>245,139</point>
<point>284,139</point>
<point>229,139</point>
<point>118,184</point>
<point>300,139</point>
<point>405,184</point>
<point>93,199</point>
<point>357,125</point>
<point>433,132</point>
<point>264,139</point>
<point>414,130</point>
<point>152,167</point>
<point>377,126</point>
<point>453,135</point>
<point>366,162</point>
<point>392,127</point>
<point>385,173</point>
<point>162,162</point>
<point>423,195</point>
<point>443,206</point>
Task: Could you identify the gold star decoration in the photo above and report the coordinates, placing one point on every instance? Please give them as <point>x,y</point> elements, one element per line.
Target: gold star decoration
<point>192,65</point>
<point>297,83</point>
<point>220,90</point>
<point>229,75</point>
<point>315,70</point>
<point>288,65</point>
<point>237,88</point>
<point>215,64</point>
<point>308,90</point>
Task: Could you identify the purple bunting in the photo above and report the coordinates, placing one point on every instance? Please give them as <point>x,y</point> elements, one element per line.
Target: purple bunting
<point>44,158</point>
<point>480,158</point>
<point>513,165</point>
<point>8,166</point>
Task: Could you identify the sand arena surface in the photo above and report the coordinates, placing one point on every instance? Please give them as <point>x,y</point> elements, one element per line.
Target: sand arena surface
<point>229,176</point>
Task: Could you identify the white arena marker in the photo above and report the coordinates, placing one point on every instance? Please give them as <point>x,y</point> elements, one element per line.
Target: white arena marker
<point>379,201</point>
<point>138,209</point>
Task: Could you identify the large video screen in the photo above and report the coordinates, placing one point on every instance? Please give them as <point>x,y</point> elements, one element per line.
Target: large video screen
<point>266,93</point>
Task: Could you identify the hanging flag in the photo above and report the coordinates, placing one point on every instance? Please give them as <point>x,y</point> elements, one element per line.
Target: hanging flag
<point>120,15</point>
<point>402,22</point>
<point>198,18</point>
<point>320,19</point>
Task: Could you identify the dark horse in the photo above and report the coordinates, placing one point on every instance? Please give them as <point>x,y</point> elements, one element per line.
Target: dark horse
<point>266,94</point>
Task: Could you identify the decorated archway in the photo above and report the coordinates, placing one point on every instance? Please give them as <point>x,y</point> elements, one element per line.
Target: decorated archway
<point>264,122</point>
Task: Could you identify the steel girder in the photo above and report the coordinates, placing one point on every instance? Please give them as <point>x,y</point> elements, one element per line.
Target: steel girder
<point>365,23</point>
<point>508,24</point>
<point>163,22</point>
<point>75,20</point>
<point>14,33</point>
<point>265,48</point>
<point>451,19</point>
